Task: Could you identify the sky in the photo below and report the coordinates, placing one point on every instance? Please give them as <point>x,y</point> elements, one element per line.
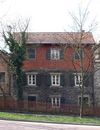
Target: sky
<point>48,15</point>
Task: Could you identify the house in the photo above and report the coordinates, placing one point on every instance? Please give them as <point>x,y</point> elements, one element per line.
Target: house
<point>5,76</point>
<point>51,74</point>
<point>97,77</point>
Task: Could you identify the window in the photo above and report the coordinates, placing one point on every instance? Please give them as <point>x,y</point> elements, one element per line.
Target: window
<point>78,79</point>
<point>32,98</point>
<point>55,102</point>
<point>2,77</point>
<point>55,79</point>
<point>31,102</point>
<point>31,79</point>
<point>97,57</point>
<point>78,54</point>
<point>86,100</point>
<point>55,54</point>
<point>31,53</point>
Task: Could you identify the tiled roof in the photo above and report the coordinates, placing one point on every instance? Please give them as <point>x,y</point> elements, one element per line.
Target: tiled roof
<point>58,37</point>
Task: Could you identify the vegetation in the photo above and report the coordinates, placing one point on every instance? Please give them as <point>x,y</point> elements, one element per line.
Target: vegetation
<point>79,26</point>
<point>50,118</point>
<point>17,53</point>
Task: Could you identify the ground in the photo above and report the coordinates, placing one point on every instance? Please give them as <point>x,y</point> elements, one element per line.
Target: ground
<point>20,125</point>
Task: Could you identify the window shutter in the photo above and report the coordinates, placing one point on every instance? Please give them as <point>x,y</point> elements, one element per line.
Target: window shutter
<point>72,80</point>
<point>38,79</point>
<point>48,54</point>
<point>61,54</point>
<point>62,80</point>
<point>86,80</point>
<point>48,100</point>
<point>48,79</point>
<point>24,79</point>
<point>91,79</point>
<point>63,100</point>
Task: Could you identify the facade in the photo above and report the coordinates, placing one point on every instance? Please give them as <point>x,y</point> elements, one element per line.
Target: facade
<point>50,73</point>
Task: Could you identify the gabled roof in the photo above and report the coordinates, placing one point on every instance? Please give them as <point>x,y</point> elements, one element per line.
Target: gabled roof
<point>58,37</point>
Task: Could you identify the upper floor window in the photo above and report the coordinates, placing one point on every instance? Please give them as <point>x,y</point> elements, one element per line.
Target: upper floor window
<point>31,52</point>
<point>55,79</point>
<point>78,54</point>
<point>97,56</point>
<point>31,78</point>
<point>55,54</point>
<point>2,77</point>
<point>78,79</point>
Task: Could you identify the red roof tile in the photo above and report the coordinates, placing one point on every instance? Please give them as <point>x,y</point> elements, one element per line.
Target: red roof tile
<point>58,37</point>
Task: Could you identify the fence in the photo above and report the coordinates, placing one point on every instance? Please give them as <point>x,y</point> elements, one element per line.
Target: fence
<point>44,107</point>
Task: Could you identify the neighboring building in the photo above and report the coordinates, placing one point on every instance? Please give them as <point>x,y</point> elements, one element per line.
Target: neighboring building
<point>50,72</point>
<point>97,77</point>
<point>5,77</point>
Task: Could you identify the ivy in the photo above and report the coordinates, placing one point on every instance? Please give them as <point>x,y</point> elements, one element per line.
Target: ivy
<point>17,54</point>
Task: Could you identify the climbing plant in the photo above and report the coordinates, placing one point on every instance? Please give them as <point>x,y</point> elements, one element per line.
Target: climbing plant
<point>17,47</point>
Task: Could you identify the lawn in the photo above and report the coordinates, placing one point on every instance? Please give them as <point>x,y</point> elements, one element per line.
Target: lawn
<point>50,118</point>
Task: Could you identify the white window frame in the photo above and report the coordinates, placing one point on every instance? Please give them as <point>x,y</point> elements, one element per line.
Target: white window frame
<point>56,101</point>
<point>77,79</point>
<point>55,54</point>
<point>84,96</point>
<point>55,79</point>
<point>97,57</point>
<point>31,81</point>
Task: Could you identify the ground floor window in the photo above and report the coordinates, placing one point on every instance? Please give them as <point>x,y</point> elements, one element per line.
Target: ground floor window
<point>55,79</point>
<point>86,100</point>
<point>55,101</point>
<point>31,102</point>
<point>32,98</point>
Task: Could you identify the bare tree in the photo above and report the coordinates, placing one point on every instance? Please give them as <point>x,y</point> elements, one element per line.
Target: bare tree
<point>78,44</point>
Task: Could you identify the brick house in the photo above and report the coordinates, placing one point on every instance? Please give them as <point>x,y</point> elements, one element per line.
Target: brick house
<point>5,77</point>
<point>50,73</point>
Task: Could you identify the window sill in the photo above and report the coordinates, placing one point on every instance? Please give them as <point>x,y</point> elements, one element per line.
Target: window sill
<point>31,85</point>
<point>76,86</point>
<point>55,107</point>
<point>55,86</point>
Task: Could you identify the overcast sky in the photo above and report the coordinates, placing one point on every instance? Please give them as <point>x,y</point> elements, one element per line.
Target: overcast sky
<point>47,15</point>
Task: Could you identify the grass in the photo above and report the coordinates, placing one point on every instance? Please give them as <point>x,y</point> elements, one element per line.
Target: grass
<point>50,118</point>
